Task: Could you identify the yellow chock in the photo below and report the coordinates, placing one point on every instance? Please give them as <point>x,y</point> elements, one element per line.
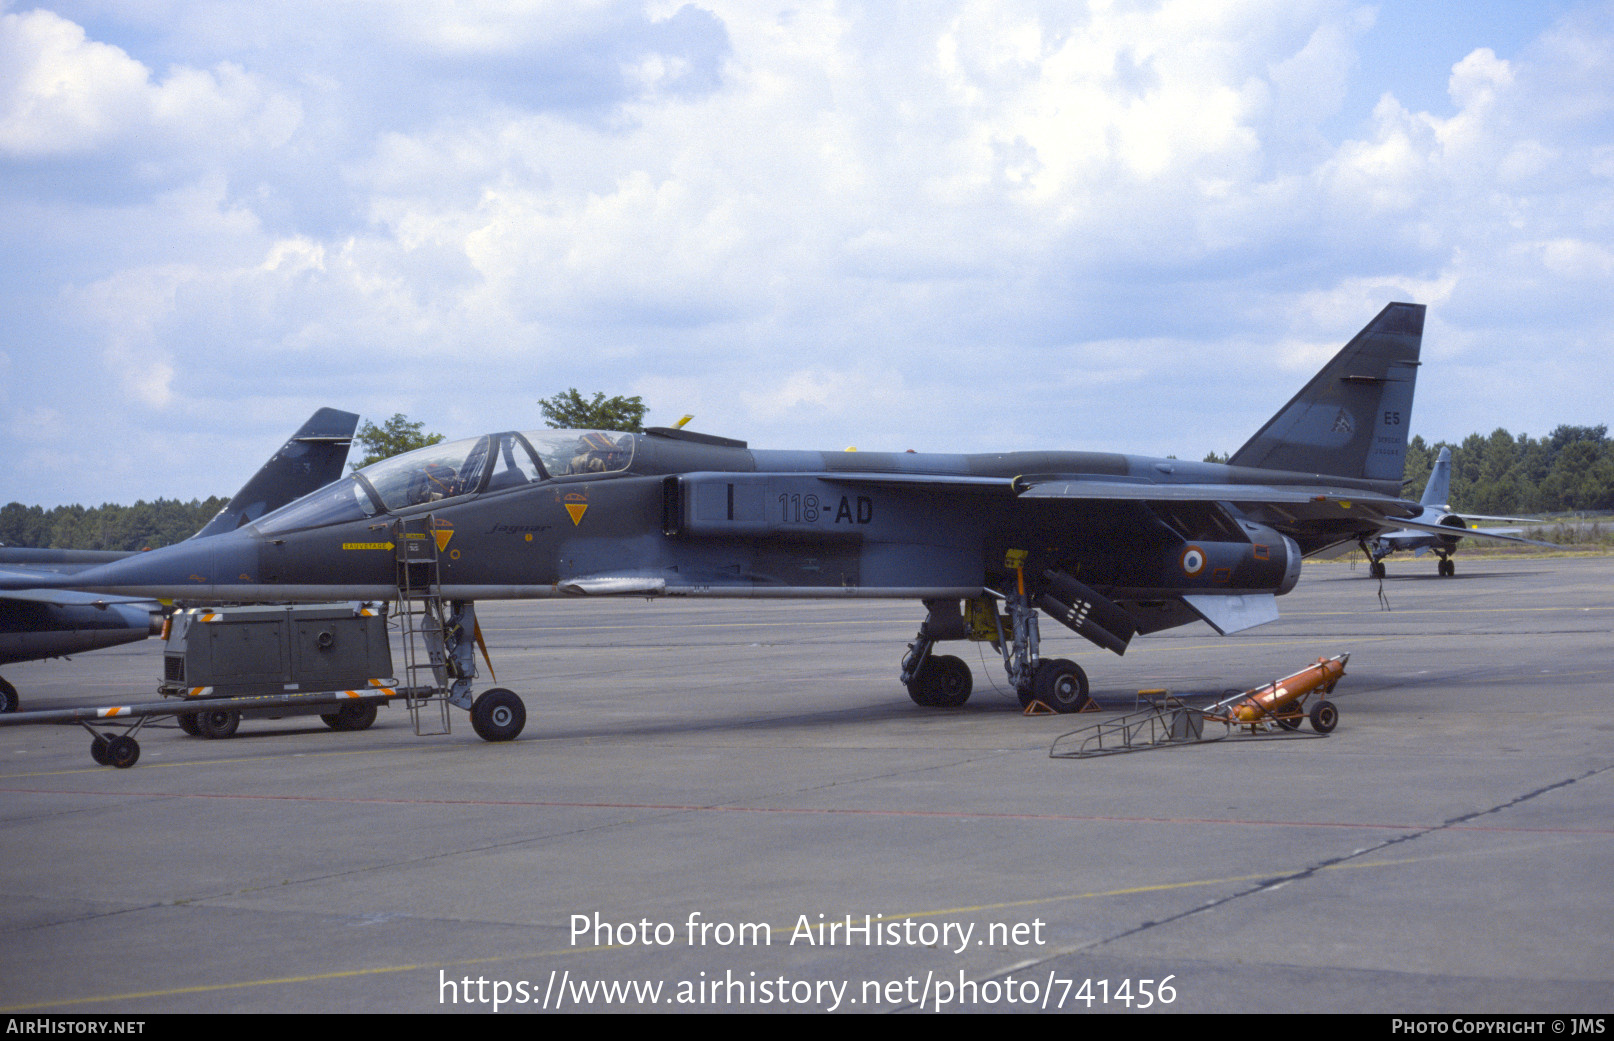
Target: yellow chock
<point>1038,707</point>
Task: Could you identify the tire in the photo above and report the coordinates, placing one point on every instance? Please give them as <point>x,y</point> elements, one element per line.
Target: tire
<point>1289,722</point>
<point>943,681</point>
<point>350,717</point>
<point>122,752</point>
<point>187,723</point>
<point>498,715</point>
<point>98,752</point>
<point>1324,717</point>
<point>218,723</point>
<point>1060,684</point>
<point>1376,569</point>
<point>8,697</point>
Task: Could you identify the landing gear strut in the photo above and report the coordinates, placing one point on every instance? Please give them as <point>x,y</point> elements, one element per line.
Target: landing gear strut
<point>1058,683</point>
<point>1375,552</point>
<point>944,681</point>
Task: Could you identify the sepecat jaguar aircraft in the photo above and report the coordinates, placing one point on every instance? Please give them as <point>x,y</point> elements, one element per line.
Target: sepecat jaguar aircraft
<point>1106,544</point>
<point>1452,526</point>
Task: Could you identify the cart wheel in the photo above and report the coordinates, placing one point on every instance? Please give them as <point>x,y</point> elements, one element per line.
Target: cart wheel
<point>218,723</point>
<point>1290,722</point>
<point>350,717</point>
<point>1324,717</point>
<point>98,751</point>
<point>187,723</point>
<point>123,751</point>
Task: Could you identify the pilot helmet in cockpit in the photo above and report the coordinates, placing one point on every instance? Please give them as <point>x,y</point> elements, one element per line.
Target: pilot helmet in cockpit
<point>431,482</point>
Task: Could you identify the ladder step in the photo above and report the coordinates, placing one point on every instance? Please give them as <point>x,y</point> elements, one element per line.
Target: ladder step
<point>420,580</point>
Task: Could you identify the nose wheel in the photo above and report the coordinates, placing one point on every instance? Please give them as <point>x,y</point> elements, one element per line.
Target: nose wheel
<point>498,715</point>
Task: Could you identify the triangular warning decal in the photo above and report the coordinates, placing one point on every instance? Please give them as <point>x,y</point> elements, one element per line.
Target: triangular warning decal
<point>443,535</point>
<point>577,509</point>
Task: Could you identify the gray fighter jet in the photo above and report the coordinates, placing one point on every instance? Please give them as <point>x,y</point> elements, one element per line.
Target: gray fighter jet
<point>1108,545</point>
<point>1437,512</point>
<point>48,622</point>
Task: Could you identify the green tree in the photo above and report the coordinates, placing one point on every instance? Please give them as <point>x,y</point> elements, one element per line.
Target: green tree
<point>569,411</point>
<point>23,525</point>
<point>396,436</point>
<point>1420,461</point>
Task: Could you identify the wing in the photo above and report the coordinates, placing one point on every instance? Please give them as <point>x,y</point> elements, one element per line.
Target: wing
<point>1316,516</point>
<point>1410,527</point>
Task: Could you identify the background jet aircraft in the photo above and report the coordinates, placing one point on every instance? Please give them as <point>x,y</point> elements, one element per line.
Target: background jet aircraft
<point>1438,514</point>
<point>1108,545</point>
<point>50,622</point>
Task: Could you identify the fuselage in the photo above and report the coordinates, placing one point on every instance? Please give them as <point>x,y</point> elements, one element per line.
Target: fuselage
<point>552,513</point>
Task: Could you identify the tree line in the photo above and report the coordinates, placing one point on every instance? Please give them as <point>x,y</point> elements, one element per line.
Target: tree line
<point>145,525</point>
<point>1571,470</point>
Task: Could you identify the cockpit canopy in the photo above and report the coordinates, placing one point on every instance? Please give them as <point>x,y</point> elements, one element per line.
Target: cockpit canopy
<point>454,470</point>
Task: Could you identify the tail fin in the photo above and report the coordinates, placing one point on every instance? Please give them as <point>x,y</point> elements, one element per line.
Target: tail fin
<point>1351,420</point>
<point>1438,491</point>
<point>308,462</point>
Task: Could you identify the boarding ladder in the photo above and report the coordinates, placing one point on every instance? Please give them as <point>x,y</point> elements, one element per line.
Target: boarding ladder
<point>421,623</point>
<point>1167,721</point>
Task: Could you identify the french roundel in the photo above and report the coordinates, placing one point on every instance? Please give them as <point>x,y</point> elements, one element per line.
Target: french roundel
<point>1192,561</point>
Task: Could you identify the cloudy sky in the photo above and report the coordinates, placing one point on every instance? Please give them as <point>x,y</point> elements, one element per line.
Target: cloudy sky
<point>966,226</point>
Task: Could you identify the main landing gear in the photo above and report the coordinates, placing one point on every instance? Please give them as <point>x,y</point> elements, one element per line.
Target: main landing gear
<point>944,681</point>
<point>1377,550</point>
<point>1445,569</point>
